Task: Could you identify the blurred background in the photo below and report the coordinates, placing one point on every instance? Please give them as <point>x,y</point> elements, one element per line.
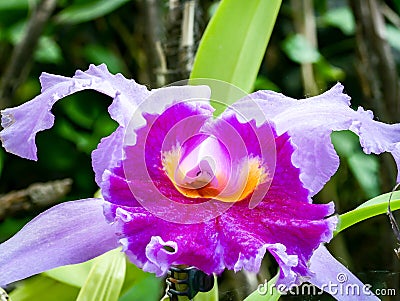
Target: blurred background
<point>314,45</point>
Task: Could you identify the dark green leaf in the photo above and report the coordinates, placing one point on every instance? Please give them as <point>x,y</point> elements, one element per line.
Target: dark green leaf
<point>48,51</point>
<point>99,55</point>
<point>87,11</point>
<point>364,167</point>
<point>300,50</point>
<point>16,4</point>
<point>342,18</point>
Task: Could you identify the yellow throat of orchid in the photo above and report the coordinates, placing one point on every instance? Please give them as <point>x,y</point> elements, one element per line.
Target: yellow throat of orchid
<point>206,171</point>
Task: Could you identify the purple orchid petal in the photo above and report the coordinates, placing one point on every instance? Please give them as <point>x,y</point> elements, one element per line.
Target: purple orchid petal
<point>284,222</point>
<point>310,123</point>
<point>22,123</point>
<point>69,233</point>
<point>145,238</point>
<point>334,278</point>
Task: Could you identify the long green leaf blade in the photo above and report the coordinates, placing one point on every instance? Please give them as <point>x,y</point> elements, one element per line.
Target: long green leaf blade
<point>234,43</point>
<point>371,208</point>
<point>105,279</point>
<point>83,12</point>
<point>42,288</point>
<point>74,275</point>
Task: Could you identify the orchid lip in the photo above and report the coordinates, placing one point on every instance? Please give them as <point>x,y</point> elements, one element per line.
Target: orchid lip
<point>201,175</point>
<point>198,167</point>
<point>202,168</point>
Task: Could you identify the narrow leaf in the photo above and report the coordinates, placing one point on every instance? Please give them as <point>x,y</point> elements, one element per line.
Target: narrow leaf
<point>41,288</point>
<point>234,43</point>
<point>105,279</point>
<point>371,208</point>
<point>342,18</point>
<point>140,285</point>
<point>16,4</point>
<point>83,12</point>
<point>300,50</point>
<point>74,275</point>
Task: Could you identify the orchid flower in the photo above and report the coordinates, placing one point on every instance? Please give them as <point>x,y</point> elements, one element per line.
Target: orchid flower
<point>182,187</point>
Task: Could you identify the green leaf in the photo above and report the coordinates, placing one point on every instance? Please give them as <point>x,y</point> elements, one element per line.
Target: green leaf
<point>397,4</point>
<point>140,285</point>
<point>84,12</point>
<point>147,288</point>
<point>10,226</point>
<point>74,275</point>
<point>234,43</point>
<point>98,54</point>
<point>105,279</point>
<point>300,50</point>
<point>329,72</point>
<point>342,18</point>
<point>16,4</point>
<point>15,33</point>
<point>393,36</point>
<point>371,208</point>
<point>48,51</point>
<point>364,167</point>
<point>263,83</point>
<point>265,291</point>
<point>42,288</point>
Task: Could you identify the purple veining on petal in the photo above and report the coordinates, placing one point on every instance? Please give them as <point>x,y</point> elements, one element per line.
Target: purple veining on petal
<point>143,235</point>
<point>34,116</point>
<point>145,170</point>
<point>334,278</point>
<point>317,117</point>
<point>289,223</point>
<point>107,153</point>
<point>284,223</point>
<point>68,233</point>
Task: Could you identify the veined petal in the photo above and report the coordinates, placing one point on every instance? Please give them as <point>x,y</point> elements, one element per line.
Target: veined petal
<point>284,222</point>
<point>22,123</point>
<point>68,233</point>
<point>334,278</point>
<point>311,121</point>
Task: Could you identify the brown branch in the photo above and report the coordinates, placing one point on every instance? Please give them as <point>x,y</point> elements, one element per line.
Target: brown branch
<point>18,66</point>
<point>38,195</point>
<point>151,23</point>
<point>376,65</point>
<point>305,24</point>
